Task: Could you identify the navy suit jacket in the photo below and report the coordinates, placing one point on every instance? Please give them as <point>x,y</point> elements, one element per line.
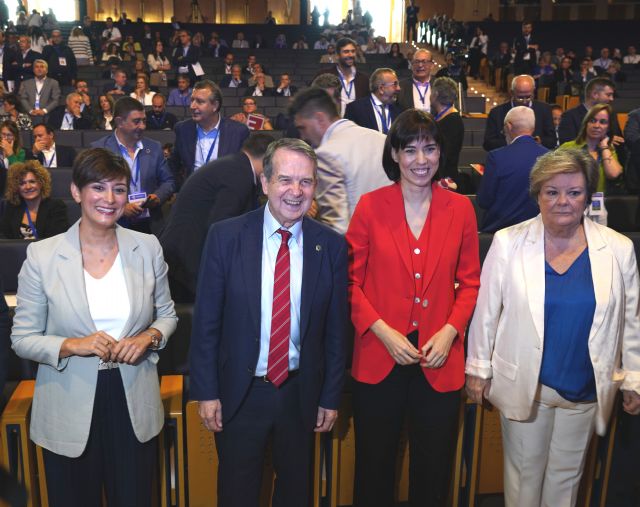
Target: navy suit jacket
<point>504,187</point>
<point>225,339</point>
<point>65,155</point>
<point>361,111</point>
<point>27,72</point>
<point>226,81</point>
<point>494,137</point>
<point>155,176</point>
<point>232,135</point>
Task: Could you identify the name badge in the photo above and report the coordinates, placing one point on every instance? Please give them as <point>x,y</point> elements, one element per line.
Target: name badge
<point>139,198</point>
<point>62,61</point>
<point>183,69</point>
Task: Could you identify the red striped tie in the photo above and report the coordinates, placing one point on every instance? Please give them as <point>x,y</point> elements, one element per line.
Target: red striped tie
<point>278,362</point>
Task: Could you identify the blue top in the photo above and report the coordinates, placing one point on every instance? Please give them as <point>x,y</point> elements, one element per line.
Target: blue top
<point>569,305</point>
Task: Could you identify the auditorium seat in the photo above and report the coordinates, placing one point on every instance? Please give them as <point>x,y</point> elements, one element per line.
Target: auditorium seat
<point>13,252</point>
<point>69,137</point>
<point>622,211</point>
<point>472,155</point>
<point>60,181</point>
<point>162,136</point>
<point>179,112</point>
<point>73,211</point>
<point>89,136</point>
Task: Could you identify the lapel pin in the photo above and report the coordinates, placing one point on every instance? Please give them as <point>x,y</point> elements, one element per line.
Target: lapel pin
<point>148,150</point>
<point>318,248</point>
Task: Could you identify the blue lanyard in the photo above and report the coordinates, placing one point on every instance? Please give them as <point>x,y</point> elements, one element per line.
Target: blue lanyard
<point>442,113</point>
<point>385,122</point>
<point>135,170</point>
<point>421,95</point>
<point>201,137</point>
<point>31,224</point>
<point>48,163</point>
<point>344,87</point>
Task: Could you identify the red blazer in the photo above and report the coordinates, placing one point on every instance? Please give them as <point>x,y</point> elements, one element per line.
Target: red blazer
<point>381,280</point>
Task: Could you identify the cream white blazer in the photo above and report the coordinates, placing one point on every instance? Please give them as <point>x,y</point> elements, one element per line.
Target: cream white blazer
<point>52,306</point>
<point>506,335</point>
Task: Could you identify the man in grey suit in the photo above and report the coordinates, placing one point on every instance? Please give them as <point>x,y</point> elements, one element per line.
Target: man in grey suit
<point>152,183</point>
<point>345,172</point>
<point>41,94</point>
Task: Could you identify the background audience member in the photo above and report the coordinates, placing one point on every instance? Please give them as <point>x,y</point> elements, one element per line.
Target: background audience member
<point>104,116</point>
<point>444,93</point>
<point>593,139</point>
<point>13,112</point>
<point>81,47</point>
<point>504,187</point>
<point>251,117</point>
<point>49,153</point>
<point>549,373</point>
<point>30,212</point>
<point>142,93</point>
<point>181,96</point>
<point>11,150</point>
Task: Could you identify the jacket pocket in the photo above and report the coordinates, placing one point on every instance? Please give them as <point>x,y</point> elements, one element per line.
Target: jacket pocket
<point>504,368</point>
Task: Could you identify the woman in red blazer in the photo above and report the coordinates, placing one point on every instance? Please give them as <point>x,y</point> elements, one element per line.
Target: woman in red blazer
<point>414,277</point>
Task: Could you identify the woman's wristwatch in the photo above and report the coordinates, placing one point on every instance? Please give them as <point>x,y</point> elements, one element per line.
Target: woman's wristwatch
<point>156,336</point>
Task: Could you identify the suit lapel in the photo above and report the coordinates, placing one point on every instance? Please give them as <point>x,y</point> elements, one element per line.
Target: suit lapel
<point>192,141</point>
<point>71,272</point>
<point>533,267</point>
<point>312,252</point>
<point>251,251</point>
<point>221,137</point>
<point>371,114</point>
<point>397,224</point>
<point>441,215</point>
<point>601,272</point>
<point>133,265</point>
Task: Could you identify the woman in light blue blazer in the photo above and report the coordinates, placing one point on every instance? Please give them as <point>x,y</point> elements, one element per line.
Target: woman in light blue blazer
<point>93,309</point>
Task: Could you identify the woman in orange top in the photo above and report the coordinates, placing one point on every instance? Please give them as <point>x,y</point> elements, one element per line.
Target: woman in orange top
<point>414,277</point>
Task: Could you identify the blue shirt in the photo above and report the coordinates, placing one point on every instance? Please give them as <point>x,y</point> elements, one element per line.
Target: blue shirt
<point>204,144</point>
<point>270,245</point>
<point>569,305</point>
<point>178,99</point>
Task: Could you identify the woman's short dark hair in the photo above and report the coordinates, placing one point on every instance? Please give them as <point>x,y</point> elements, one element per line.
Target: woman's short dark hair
<point>411,125</point>
<point>99,164</point>
<point>9,124</point>
<point>13,99</point>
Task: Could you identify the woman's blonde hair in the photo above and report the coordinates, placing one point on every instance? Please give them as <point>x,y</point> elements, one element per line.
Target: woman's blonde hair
<point>16,174</point>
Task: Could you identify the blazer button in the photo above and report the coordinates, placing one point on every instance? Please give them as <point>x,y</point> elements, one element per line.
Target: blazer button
<point>425,303</point>
<point>417,300</point>
<point>414,323</point>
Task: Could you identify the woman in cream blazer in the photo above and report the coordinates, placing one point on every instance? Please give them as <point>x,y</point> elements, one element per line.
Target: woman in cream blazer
<point>545,436</point>
<point>74,414</point>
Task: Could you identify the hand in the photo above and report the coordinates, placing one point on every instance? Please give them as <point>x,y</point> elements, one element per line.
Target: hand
<point>436,350</point>
<point>325,420</point>
<point>617,140</point>
<point>37,147</point>
<point>210,412</point>
<point>38,112</point>
<point>477,388</point>
<point>96,344</point>
<point>399,348</point>
<point>7,148</point>
<point>631,402</point>
<point>132,209</point>
<point>129,350</point>
<point>86,99</point>
<point>153,201</point>
<point>604,144</point>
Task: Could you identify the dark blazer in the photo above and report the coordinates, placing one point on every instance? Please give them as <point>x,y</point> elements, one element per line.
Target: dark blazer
<point>571,122</point>
<point>226,81</point>
<point>494,138</point>
<point>521,47</point>
<point>225,340</point>
<point>280,93</point>
<point>5,332</point>
<point>127,89</point>
<point>221,189</point>
<point>405,96</point>
<point>51,220</point>
<point>10,67</point>
<point>267,92</point>
<point>232,135</point>
<point>65,155</point>
<point>155,176</point>
<point>504,187</point>
<point>61,73</point>
<point>179,59</point>
<point>361,84</point>
<point>25,73</point>
<point>55,118</point>
<point>361,111</point>
<point>166,122</point>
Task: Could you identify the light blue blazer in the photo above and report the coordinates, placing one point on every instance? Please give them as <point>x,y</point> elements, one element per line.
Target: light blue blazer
<point>52,306</point>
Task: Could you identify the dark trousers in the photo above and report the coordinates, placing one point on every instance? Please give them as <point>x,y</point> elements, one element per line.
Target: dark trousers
<point>267,414</point>
<point>379,414</point>
<point>113,459</point>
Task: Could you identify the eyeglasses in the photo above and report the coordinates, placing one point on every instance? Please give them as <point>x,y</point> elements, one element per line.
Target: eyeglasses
<point>524,98</point>
<point>421,62</point>
<point>601,121</point>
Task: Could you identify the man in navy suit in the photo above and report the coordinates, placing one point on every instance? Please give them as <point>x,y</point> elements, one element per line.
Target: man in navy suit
<point>26,57</point>
<point>525,47</point>
<point>378,110</point>
<point>269,333</point>
<point>504,188</point>
<point>186,56</point>
<point>522,89</point>
<point>151,180</point>
<point>206,136</point>
<point>49,153</point>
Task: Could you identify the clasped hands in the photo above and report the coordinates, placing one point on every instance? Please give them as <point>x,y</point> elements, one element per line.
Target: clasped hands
<point>432,354</point>
<point>127,350</point>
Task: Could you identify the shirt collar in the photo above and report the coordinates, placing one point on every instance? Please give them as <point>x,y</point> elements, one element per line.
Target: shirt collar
<point>271,226</point>
<point>50,150</point>
<point>201,132</point>
<point>139,145</point>
<point>330,130</point>
<point>377,101</point>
